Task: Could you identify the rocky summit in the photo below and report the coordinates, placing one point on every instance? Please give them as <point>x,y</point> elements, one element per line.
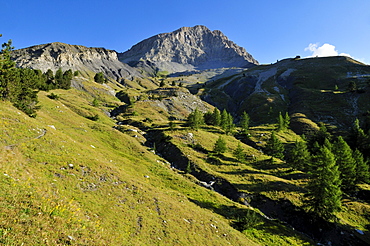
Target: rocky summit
<point>189,48</point>
<point>76,57</point>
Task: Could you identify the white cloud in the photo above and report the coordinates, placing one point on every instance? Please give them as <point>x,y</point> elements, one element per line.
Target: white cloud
<point>323,50</point>
<point>328,50</point>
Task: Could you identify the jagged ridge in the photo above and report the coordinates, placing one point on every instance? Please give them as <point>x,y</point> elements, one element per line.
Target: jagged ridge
<point>76,57</point>
<point>190,48</point>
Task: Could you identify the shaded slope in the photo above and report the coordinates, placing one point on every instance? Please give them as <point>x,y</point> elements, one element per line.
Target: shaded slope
<point>315,88</point>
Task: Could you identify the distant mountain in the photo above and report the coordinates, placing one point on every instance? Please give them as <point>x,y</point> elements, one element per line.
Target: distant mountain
<point>189,48</point>
<point>76,57</point>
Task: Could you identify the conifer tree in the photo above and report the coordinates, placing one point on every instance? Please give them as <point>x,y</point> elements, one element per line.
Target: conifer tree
<point>224,119</point>
<point>208,118</point>
<point>281,123</point>
<point>59,78</point>
<point>220,146</point>
<point>239,153</point>
<point>286,121</point>
<point>227,122</point>
<point>299,157</point>
<point>195,119</point>
<point>230,123</point>
<point>324,193</point>
<point>244,123</point>
<point>7,69</point>
<point>65,83</point>
<point>320,136</point>
<point>275,147</point>
<point>99,78</point>
<point>216,117</point>
<point>346,164</point>
<point>362,168</point>
<point>358,139</point>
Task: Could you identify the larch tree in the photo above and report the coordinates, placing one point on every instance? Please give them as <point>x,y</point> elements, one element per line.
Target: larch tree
<point>239,153</point>
<point>195,119</point>
<point>299,157</point>
<point>346,164</point>
<point>220,146</point>
<point>244,123</point>
<point>324,194</point>
<point>275,147</point>
<point>362,168</point>
<point>281,123</point>
<point>216,117</point>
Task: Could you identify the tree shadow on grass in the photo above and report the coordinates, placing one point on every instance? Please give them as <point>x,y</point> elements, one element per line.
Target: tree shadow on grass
<point>244,219</point>
<point>267,164</point>
<point>229,212</point>
<point>260,186</point>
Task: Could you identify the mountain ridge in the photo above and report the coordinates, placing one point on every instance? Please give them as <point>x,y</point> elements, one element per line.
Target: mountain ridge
<point>76,57</point>
<point>192,47</point>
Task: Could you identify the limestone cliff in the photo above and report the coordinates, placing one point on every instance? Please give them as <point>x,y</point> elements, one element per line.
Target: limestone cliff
<point>189,48</point>
<point>59,55</point>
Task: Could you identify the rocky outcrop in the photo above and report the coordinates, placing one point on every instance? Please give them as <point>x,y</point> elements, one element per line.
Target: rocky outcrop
<point>189,48</point>
<point>59,55</point>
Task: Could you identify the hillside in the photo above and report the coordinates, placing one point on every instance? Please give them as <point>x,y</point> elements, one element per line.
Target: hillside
<point>315,88</point>
<point>132,159</point>
<point>82,182</point>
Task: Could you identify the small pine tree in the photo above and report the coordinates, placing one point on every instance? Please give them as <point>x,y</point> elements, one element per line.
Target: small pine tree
<point>220,146</point>
<point>286,121</point>
<point>299,157</point>
<point>346,164</point>
<point>239,153</point>
<point>244,123</point>
<point>216,117</point>
<point>224,119</point>
<point>281,123</point>
<point>362,168</point>
<point>99,78</point>
<point>58,77</point>
<point>275,147</point>
<point>324,193</point>
<point>319,137</point>
<point>195,119</point>
<point>227,122</point>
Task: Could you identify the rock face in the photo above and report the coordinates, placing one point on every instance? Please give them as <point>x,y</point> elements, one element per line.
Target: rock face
<point>59,55</point>
<point>189,48</point>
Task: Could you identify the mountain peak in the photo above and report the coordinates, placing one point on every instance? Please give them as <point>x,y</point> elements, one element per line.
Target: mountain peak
<point>189,48</point>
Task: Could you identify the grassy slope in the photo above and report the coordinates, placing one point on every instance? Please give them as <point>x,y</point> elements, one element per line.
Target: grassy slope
<point>105,198</point>
<point>257,175</point>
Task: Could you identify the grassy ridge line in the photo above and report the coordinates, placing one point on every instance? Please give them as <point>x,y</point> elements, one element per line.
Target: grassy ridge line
<point>105,198</point>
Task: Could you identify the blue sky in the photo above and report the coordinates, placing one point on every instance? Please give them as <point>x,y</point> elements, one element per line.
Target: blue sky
<point>270,30</point>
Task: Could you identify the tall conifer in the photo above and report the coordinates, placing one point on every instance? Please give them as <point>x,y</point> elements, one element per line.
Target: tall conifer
<point>346,164</point>
<point>324,193</point>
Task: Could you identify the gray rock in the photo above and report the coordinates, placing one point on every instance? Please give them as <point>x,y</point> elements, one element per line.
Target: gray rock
<point>189,48</point>
<point>76,57</point>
